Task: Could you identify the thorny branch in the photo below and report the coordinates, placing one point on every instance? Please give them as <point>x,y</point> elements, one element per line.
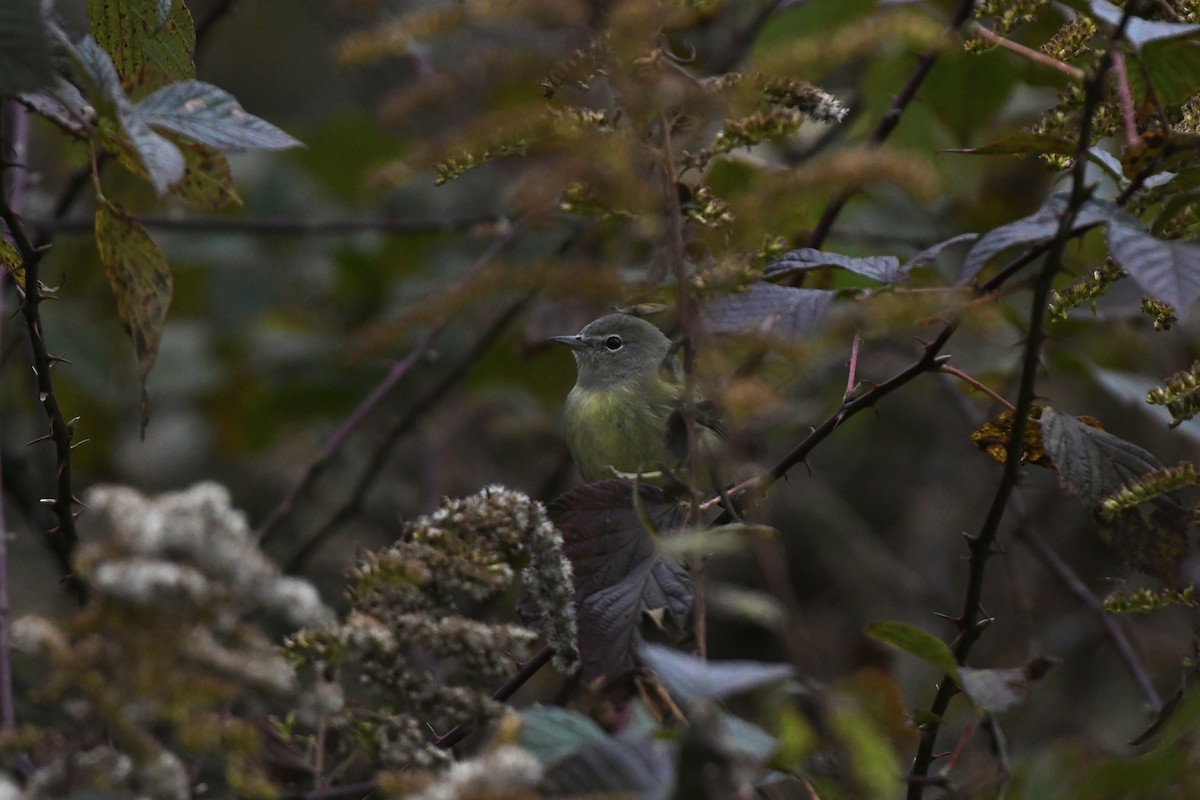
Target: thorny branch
<point>981,544</point>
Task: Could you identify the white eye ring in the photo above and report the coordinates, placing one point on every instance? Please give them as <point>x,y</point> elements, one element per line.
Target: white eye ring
<point>613,344</point>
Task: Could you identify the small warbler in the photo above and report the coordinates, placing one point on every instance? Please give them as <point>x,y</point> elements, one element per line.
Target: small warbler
<point>624,413</point>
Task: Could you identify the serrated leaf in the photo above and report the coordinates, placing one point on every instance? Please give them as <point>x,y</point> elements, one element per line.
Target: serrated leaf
<point>1167,270</point>
<point>552,733</point>
<point>11,260</point>
<point>139,276</point>
<point>915,641</point>
<point>1171,69</point>
<point>1021,144</point>
<point>210,116</point>
<point>765,309</point>
<point>1091,463</point>
<point>885,269</point>
<point>1140,32</point>
<point>644,769</point>
<point>25,64</point>
<point>151,42</point>
<point>1153,539</point>
<point>621,576</point>
<point>99,77</point>
<point>693,679</point>
<point>1038,228</point>
<point>162,161</point>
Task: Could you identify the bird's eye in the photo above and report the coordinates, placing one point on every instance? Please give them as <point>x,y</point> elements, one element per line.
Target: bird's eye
<point>613,343</point>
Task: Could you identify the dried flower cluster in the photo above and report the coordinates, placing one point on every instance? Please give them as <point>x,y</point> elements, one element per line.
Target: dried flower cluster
<point>1180,394</point>
<point>169,640</point>
<point>409,640</point>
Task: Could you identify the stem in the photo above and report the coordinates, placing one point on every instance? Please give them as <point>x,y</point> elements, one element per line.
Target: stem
<point>980,545</point>
<point>891,119</point>
<point>1036,56</point>
<point>977,385</point>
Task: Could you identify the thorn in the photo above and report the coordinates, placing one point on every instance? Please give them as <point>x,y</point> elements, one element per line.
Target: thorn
<point>971,538</point>
<point>40,439</point>
<point>49,502</point>
<point>984,623</point>
<point>78,502</point>
<point>940,615</point>
<point>77,514</point>
<point>80,442</point>
<point>944,358</point>
<point>56,360</point>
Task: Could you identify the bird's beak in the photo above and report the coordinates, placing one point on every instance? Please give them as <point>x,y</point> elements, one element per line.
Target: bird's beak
<point>574,342</point>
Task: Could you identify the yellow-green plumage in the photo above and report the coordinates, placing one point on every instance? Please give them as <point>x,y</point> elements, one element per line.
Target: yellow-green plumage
<point>626,390</point>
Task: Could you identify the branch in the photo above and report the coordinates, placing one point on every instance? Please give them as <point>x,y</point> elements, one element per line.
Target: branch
<point>63,537</point>
<point>1036,56</point>
<point>507,690</point>
<point>981,544</point>
<point>374,467</point>
<point>399,369</point>
<point>268,226</point>
<point>891,119</point>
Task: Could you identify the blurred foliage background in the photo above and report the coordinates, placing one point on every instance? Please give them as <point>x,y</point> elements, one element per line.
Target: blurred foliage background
<point>344,256</point>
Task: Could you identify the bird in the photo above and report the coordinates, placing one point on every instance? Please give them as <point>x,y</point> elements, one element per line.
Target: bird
<point>624,414</point>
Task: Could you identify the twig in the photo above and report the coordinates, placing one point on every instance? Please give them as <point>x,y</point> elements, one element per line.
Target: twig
<point>852,369</point>
<point>399,369</point>
<point>981,544</point>
<point>1125,98</point>
<point>270,226</point>
<point>891,119</point>
<point>977,385</point>
<point>1036,56</point>
<point>374,467</point>
<point>62,537</point>
<point>507,690</point>
<point>1112,628</point>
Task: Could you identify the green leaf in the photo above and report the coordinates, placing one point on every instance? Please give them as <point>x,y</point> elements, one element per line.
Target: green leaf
<point>24,48</point>
<point>552,733</point>
<point>207,183</point>
<point>917,642</point>
<point>691,679</point>
<point>765,309</point>
<point>11,260</point>
<point>1140,32</point>
<point>1172,69</point>
<point>151,42</point>
<point>621,576</point>
<point>885,269</point>
<point>1168,270</point>
<point>1022,143</point>
<point>139,276</point>
<point>211,116</point>
<point>874,769</point>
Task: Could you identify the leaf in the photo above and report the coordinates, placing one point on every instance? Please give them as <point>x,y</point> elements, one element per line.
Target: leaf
<point>162,160</point>
<point>98,75</point>
<point>997,690</point>
<point>930,254</point>
<point>1140,32</point>
<point>993,437</point>
<point>1153,539</point>
<point>12,263</point>
<point>1168,270</point>
<point>874,769</point>
<point>139,276</point>
<point>769,310</point>
<point>211,116</point>
<point>25,63</point>
<point>915,641</point>
<point>1091,463</point>
<point>885,269</point>
<point>644,769</point>
<point>1169,69</point>
<point>152,42</point>
<point>621,576</point>
<point>1038,228</point>
<point>1021,144</point>
<point>207,183</point>
<point>690,678</point>
<point>551,732</point>
<point>63,104</point>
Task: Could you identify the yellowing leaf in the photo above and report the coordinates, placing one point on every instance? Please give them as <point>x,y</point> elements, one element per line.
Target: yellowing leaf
<point>12,262</point>
<point>146,49</point>
<point>139,276</point>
